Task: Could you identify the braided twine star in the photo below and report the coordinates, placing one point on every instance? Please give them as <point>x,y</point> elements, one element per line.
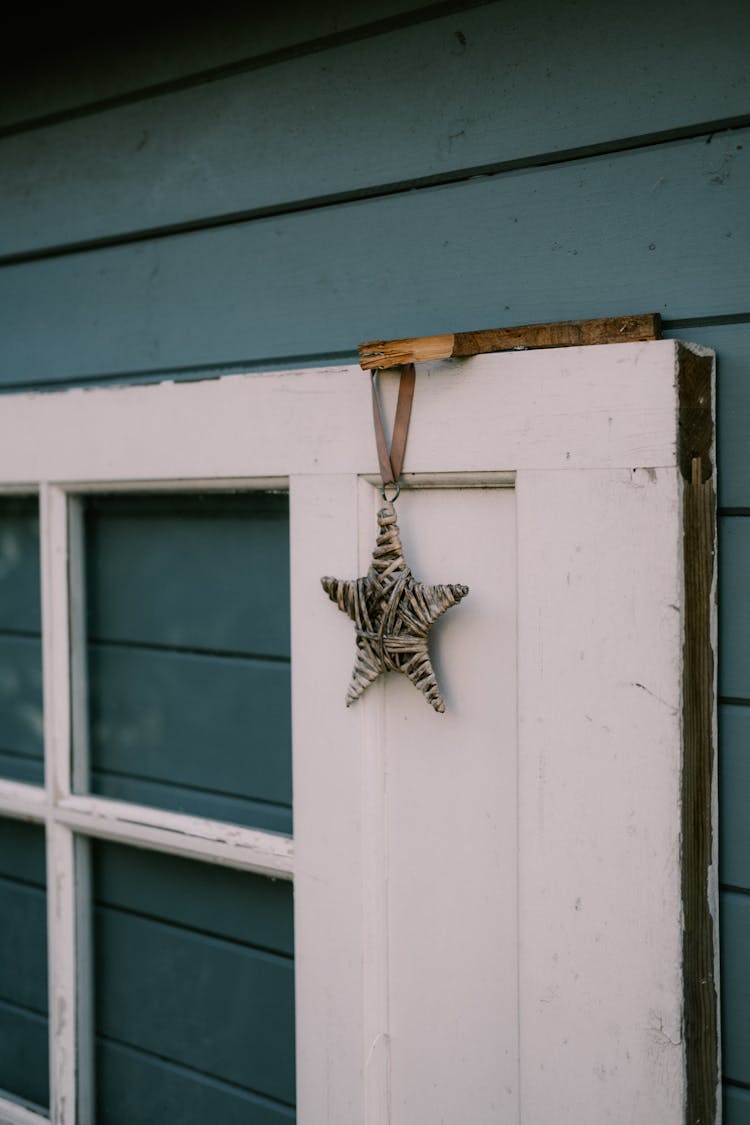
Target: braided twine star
<point>392,615</point>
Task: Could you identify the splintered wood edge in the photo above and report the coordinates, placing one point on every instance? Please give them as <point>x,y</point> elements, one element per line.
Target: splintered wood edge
<point>379,354</point>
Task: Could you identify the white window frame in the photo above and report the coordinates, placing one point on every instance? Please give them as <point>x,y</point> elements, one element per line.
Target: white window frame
<point>566,430</point>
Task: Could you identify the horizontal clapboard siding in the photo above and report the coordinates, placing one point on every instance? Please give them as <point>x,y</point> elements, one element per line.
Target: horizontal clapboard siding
<point>24,1069</point>
<point>341,150</point>
<point>96,67</point>
<point>528,245</point>
<point>194,991</point>
<point>21,745</point>
<point>188,655</point>
<point>245,143</point>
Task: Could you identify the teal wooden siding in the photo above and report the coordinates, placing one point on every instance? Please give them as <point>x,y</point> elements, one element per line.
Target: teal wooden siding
<point>270,189</point>
<point>24,1070</point>
<point>194,992</point>
<point>21,745</point>
<point>188,654</point>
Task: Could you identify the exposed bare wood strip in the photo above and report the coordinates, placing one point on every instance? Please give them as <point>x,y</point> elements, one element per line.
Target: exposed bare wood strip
<point>561,334</point>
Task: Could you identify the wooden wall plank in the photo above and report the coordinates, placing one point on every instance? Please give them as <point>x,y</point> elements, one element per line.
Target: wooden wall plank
<point>133,1086</point>
<point>548,243</point>
<point>208,573</point>
<point>736,1106</point>
<point>20,590</point>
<point>218,900</point>
<point>210,723</point>
<point>24,1069</point>
<point>734,606</point>
<point>22,854</point>
<point>214,1006</point>
<point>23,946</point>
<point>734,796</point>
<point>21,715</point>
<point>247,142</point>
<point>75,61</point>
<point>735,942</point>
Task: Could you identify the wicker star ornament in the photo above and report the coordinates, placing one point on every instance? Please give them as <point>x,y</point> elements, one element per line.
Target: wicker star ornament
<point>392,615</point>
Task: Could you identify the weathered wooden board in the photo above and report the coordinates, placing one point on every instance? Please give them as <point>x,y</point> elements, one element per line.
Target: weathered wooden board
<point>95,65</point>
<point>734,606</point>
<point>731,342</point>
<point>247,142</point>
<point>511,249</point>
<point>734,796</point>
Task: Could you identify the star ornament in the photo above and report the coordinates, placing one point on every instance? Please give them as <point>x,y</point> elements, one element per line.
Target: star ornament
<point>392,615</point>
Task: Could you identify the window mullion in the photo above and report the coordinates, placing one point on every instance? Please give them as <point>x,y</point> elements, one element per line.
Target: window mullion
<point>68,876</point>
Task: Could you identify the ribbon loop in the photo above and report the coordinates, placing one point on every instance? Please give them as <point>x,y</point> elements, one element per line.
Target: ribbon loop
<point>391,461</point>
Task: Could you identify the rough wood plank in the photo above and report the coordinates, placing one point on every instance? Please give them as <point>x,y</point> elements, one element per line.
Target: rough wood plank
<point>699,849</point>
<point>586,233</point>
<point>246,143</point>
<point>562,334</point>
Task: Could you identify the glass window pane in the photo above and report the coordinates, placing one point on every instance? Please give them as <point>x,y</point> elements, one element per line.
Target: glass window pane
<point>188,653</point>
<point>24,1068</point>
<point>21,733</point>
<point>194,986</point>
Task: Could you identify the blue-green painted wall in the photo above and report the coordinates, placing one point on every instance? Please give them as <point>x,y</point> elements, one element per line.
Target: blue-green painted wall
<point>271,188</point>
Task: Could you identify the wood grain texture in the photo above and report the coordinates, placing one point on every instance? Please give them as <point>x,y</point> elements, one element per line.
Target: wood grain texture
<point>572,333</point>
<point>701,1030</point>
<point>489,251</point>
<point>735,939</point>
<point>247,143</point>
<point>734,796</point>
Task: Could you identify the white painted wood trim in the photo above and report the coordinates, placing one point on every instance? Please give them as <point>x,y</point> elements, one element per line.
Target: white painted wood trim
<point>63,976</point>
<point>25,801</point>
<point>118,433</point>
<point>600,754</point>
<point>13,1113</point>
<point>249,849</point>
<point>53,537</point>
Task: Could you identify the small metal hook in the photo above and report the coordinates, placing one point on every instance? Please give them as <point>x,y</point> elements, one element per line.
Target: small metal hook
<point>391,499</point>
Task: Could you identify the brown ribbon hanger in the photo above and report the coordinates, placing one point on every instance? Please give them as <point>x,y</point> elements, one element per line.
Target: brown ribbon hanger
<point>391,461</point>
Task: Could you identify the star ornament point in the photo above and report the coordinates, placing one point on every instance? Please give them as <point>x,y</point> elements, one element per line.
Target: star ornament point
<point>392,615</point>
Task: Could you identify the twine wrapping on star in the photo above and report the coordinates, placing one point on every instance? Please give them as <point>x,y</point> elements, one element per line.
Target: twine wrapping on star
<point>392,615</point>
